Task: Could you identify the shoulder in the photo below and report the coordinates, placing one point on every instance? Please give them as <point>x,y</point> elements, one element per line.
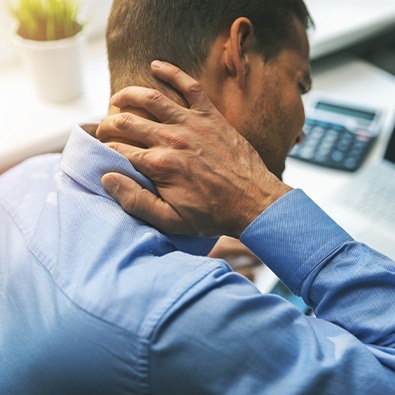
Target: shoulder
<point>29,178</point>
<point>152,287</point>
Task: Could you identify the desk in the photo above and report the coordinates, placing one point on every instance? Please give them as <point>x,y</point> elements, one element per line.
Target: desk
<point>340,78</point>
<point>341,23</point>
<point>345,78</point>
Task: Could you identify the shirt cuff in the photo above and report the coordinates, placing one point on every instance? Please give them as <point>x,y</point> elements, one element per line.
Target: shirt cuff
<point>293,237</point>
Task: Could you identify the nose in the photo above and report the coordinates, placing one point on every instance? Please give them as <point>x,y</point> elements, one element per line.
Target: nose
<point>300,137</point>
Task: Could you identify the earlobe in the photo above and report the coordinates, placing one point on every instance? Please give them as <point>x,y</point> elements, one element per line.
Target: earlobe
<point>238,49</point>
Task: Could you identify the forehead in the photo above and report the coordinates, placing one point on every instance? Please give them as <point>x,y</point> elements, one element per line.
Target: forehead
<point>296,57</point>
<point>301,41</point>
<point>304,45</point>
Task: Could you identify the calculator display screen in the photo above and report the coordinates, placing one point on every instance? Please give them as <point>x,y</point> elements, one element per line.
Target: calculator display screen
<point>365,115</point>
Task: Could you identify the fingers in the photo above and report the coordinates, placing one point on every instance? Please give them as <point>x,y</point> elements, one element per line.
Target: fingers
<point>125,126</point>
<point>138,157</point>
<point>191,89</point>
<point>151,100</point>
<point>141,203</point>
<point>158,165</point>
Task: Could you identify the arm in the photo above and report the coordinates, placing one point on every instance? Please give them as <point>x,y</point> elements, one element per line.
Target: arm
<point>350,286</point>
<point>260,344</point>
<point>255,343</point>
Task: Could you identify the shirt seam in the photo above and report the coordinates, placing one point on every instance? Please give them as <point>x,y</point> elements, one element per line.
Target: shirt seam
<point>154,329</point>
<point>338,241</point>
<point>36,256</point>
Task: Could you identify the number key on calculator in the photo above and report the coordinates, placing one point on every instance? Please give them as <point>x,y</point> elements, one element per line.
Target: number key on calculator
<point>332,145</point>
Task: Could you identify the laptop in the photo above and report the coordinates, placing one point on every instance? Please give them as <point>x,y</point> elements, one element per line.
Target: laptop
<point>365,206</point>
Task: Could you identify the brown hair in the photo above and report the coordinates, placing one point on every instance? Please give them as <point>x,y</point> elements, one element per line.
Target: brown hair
<point>182,32</point>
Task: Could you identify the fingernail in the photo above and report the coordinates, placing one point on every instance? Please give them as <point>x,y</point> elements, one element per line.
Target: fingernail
<point>110,184</point>
<point>114,98</point>
<point>157,64</point>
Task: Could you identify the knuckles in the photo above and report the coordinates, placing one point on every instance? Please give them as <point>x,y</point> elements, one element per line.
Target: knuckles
<point>153,97</point>
<point>195,87</point>
<point>119,147</point>
<point>178,142</point>
<point>161,166</point>
<point>192,86</point>
<point>129,204</point>
<point>115,146</point>
<point>124,121</point>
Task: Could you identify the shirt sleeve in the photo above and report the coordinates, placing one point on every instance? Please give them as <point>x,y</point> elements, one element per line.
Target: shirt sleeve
<point>224,336</point>
<point>345,282</point>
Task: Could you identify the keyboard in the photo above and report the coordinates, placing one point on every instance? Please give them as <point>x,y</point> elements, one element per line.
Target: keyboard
<point>372,194</point>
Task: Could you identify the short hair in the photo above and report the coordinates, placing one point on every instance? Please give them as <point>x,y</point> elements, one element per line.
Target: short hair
<point>182,32</point>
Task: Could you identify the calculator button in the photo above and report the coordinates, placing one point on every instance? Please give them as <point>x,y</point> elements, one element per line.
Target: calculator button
<point>306,153</point>
<point>343,146</point>
<point>350,163</point>
<point>326,148</point>
<point>332,133</point>
<point>331,137</point>
<point>356,150</point>
<point>359,147</point>
<point>332,145</point>
<point>316,134</point>
<point>337,156</point>
<point>360,144</point>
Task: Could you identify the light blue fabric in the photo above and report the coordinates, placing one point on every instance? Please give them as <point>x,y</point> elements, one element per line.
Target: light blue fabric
<point>95,301</point>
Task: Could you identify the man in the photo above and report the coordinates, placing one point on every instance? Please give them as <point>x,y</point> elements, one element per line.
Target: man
<point>96,301</point>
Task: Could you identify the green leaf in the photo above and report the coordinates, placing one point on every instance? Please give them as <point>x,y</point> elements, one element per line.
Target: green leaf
<point>44,20</point>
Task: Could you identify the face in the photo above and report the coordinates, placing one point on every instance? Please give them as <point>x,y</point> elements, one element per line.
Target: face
<point>274,113</point>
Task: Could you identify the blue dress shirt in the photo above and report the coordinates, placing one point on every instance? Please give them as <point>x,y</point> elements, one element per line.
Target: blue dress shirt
<point>93,301</point>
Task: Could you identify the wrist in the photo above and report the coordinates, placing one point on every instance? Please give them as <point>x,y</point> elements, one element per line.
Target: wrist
<point>265,197</point>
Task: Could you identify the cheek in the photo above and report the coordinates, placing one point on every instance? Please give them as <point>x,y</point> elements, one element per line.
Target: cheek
<point>297,118</point>
<point>301,114</point>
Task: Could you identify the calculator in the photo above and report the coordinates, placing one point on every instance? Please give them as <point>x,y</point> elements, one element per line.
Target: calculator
<point>338,135</point>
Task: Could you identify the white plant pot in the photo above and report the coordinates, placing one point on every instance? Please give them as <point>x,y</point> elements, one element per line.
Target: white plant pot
<point>55,67</point>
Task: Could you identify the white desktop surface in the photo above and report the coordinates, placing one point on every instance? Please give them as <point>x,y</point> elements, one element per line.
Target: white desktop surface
<point>340,23</point>
<point>345,79</point>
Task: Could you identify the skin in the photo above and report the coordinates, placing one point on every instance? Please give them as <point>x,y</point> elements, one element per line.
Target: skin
<point>261,100</point>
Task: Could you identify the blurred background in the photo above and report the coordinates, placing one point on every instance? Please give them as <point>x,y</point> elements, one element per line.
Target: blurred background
<point>95,12</point>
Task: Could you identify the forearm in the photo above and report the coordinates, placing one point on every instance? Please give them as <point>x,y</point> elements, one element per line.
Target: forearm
<point>344,281</point>
<point>243,342</point>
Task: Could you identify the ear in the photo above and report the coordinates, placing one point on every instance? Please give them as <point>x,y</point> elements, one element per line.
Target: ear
<point>238,49</point>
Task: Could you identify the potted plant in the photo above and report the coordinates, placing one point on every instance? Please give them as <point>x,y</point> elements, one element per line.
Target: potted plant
<point>50,39</point>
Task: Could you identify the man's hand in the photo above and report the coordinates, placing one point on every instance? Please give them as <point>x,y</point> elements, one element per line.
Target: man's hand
<point>211,180</point>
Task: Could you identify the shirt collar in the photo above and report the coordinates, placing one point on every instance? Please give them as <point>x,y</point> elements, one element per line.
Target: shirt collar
<point>85,159</point>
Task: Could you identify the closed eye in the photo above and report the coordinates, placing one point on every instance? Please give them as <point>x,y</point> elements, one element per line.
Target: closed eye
<point>305,84</point>
<point>303,88</point>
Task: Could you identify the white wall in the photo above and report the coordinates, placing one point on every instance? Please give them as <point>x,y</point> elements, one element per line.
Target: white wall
<point>96,12</point>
